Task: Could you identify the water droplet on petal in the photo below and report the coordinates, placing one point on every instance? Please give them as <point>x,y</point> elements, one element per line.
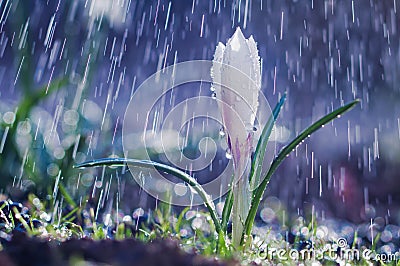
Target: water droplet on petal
<point>222,132</point>
<point>228,154</point>
<point>249,127</point>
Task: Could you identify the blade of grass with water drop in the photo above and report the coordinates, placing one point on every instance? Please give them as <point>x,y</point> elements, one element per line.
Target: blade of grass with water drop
<point>259,192</point>
<point>256,164</point>
<point>164,168</point>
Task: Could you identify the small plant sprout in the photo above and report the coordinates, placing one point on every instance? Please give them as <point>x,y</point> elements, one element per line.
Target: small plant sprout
<point>236,65</point>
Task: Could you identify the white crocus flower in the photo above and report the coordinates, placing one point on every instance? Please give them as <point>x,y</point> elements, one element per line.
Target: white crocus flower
<point>236,78</point>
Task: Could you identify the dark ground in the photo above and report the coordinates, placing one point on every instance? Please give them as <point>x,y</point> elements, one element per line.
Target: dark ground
<point>23,250</point>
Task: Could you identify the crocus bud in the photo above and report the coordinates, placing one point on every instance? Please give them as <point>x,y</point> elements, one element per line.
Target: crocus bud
<point>236,75</point>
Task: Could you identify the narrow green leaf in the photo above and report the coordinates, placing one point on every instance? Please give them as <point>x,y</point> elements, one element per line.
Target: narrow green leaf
<point>68,198</point>
<point>226,211</point>
<point>222,249</point>
<point>70,215</point>
<point>178,224</point>
<point>259,192</point>
<point>256,164</point>
<point>164,168</point>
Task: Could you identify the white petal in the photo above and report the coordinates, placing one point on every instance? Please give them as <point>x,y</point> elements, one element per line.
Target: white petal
<point>237,40</point>
<point>216,67</point>
<point>256,76</point>
<point>242,88</point>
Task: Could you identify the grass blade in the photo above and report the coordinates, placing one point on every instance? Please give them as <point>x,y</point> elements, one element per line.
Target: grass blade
<point>256,164</point>
<point>226,211</point>
<point>164,168</point>
<point>259,192</point>
<point>64,192</point>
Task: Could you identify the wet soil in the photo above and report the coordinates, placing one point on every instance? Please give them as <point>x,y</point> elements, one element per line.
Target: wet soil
<point>24,250</point>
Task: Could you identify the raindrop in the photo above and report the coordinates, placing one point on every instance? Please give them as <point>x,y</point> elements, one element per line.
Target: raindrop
<point>9,117</point>
<point>249,127</point>
<point>71,117</point>
<point>180,189</point>
<point>55,190</point>
<point>52,169</point>
<point>98,183</point>
<point>24,128</point>
<point>222,132</point>
<point>228,154</point>
<point>127,219</point>
<point>59,153</point>
<point>197,223</point>
<point>139,212</point>
<point>267,215</point>
<point>107,220</point>
<point>3,139</point>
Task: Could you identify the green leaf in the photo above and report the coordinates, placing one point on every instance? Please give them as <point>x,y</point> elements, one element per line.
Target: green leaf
<point>164,168</point>
<point>178,224</point>
<point>222,249</point>
<point>226,211</point>
<point>64,192</point>
<point>256,164</point>
<point>259,192</point>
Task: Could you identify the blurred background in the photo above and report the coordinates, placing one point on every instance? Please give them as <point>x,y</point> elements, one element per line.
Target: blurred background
<point>68,69</point>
